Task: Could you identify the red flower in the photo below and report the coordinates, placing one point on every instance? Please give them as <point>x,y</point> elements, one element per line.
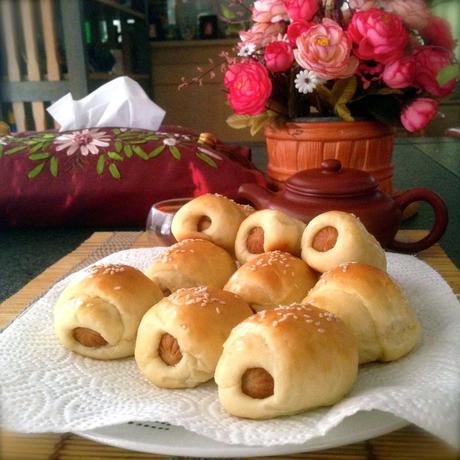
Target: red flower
<point>400,73</point>
<point>301,10</point>
<point>378,35</point>
<point>295,29</point>
<point>278,56</point>
<point>429,60</point>
<point>419,113</point>
<point>439,33</point>
<point>249,87</point>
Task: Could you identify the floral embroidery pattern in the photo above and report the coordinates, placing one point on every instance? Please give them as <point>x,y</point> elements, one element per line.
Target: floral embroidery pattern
<point>111,147</point>
<point>84,142</point>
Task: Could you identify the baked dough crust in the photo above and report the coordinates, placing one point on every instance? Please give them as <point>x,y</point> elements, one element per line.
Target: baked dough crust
<point>373,306</point>
<point>110,300</point>
<point>200,319</point>
<point>281,232</point>
<point>354,243</point>
<point>225,218</point>
<point>272,279</point>
<point>310,354</point>
<point>191,263</point>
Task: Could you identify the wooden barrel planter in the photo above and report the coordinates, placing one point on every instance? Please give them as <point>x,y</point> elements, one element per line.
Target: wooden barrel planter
<point>365,145</point>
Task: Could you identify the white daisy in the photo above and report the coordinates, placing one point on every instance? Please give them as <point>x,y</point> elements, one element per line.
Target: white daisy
<point>306,81</point>
<point>247,49</point>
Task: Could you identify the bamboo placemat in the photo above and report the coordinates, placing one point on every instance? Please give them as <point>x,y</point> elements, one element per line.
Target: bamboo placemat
<point>405,444</point>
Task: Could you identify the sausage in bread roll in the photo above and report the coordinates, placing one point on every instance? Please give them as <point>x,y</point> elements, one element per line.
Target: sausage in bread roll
<point>98,315</point>
<point>180,339</point>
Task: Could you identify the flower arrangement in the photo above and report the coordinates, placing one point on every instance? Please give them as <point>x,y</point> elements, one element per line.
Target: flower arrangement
<point>389,60</point>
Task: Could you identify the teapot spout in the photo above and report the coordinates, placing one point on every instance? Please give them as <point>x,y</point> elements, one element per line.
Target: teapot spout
<point>255,194</point>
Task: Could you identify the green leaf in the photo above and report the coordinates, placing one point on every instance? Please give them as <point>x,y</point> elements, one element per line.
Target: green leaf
<point>14,150</point>
<point>48,136</point>
<point>140,153</point>
<point>175,152</point>
<point>227,13</point>
<point>141,141</point>
<point>115,156</point>
<point>254,122</point>
<point>202,156</point>
<point>100,164</point>
<point>257,125</point>
<point>151,137</point>
<point>325,94</point>
<point>239,121</point>
<point>117,131</point>
<point>54,166</point>
<point>1,150</point>
<point>39,156</point>
<point>118,146</point>
<point>343,112</point>
<point>128,151</point>
<point>448,73</point>
<point>114,171</point>
<point>345,89</point>
<point>155,152</point>
<point>34,172</point>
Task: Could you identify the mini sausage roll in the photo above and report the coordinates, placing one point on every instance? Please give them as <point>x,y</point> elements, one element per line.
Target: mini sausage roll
<point>268,230</point>
<point>98,315</point>
<point>373,306</point>
<point>191,263</point>
<point>335,238</point>
<point>180,339</point>
<point>209,217</point>
<point>284,361</point>
<point>271,279</point>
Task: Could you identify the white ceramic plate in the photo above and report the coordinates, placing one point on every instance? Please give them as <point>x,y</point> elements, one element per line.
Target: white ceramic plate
<point>165,439</point>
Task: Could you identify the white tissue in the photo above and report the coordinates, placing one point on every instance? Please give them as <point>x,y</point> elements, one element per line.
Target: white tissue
<point>120,103</point>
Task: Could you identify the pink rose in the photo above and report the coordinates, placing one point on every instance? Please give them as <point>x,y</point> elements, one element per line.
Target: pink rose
<point>429,60</point>
<point>295,29</point>
<point>418,114</point>
<point>363,5</point>
<point>262,33</point>
<point>278,56</point>
<point>400,73</point>
<point>414,13</point>
<point>249,87</point>
<point>325,49</point>
<point>378,35</point>
<point>301,10</point>
<point>269,11</point>
<point>439,33</point>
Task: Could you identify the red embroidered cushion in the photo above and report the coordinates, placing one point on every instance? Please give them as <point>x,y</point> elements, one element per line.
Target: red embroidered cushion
<point>110,176</point>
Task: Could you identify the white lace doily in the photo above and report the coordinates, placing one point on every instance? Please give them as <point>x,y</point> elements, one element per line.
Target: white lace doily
<point>47,388</point>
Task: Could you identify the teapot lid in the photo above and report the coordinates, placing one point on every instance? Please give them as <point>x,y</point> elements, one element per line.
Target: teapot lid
<point>332,180</point>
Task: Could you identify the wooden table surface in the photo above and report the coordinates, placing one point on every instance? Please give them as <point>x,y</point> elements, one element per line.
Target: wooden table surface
<point>407,443</point>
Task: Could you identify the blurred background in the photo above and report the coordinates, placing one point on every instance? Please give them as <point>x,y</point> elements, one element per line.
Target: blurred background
<point>51,47</point>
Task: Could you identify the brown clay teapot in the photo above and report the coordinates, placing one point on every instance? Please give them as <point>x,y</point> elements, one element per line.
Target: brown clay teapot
<point>331,187</point>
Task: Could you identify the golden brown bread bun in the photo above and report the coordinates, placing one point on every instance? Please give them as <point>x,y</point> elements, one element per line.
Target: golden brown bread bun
<point>209,217</point>
<point>335,238</point>
<point>98,315</point>
<point>191,263</point>
<point>268,230</point>
<point>285,361</point>
<point>180,339</point>
<point>373,306</point>
<point>272,279</point>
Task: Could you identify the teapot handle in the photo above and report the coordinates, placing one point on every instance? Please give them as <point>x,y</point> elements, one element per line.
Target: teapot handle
<point>440,215</point>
